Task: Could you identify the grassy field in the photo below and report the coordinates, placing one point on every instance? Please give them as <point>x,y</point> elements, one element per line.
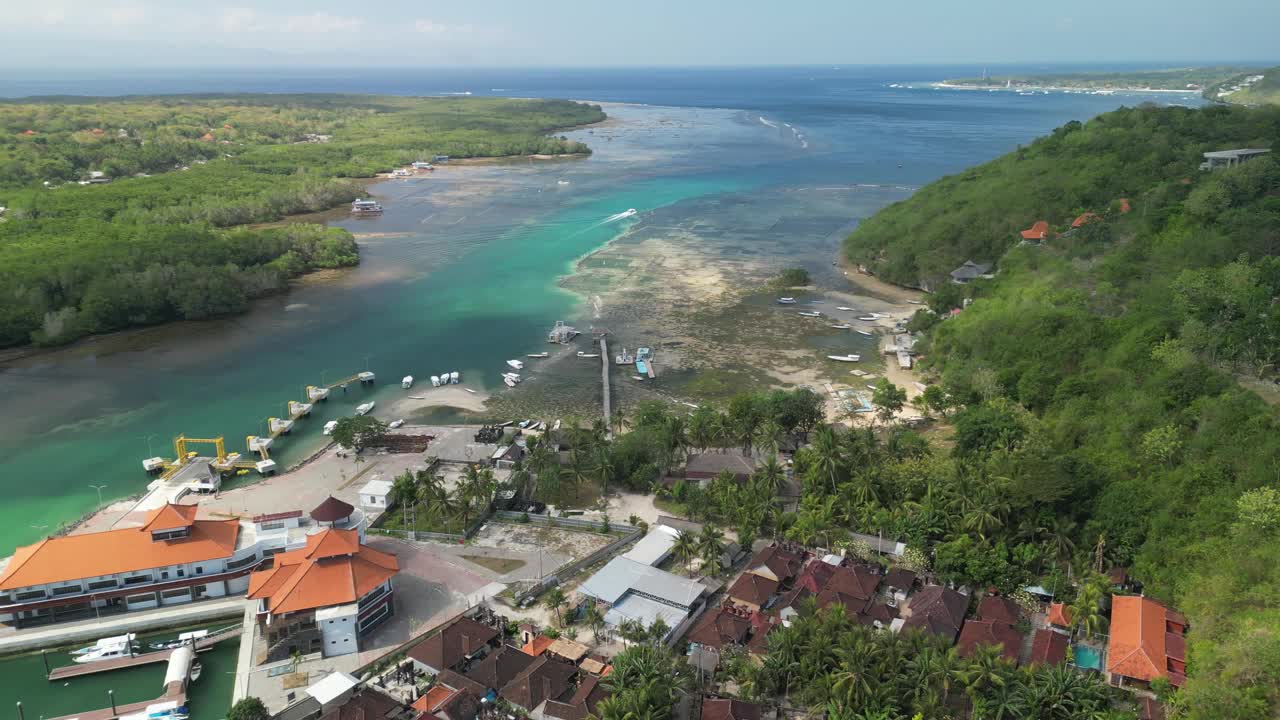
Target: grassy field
<point>1256,87</point>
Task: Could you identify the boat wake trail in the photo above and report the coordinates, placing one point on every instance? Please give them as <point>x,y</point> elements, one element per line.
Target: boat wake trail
<point>618,216</point>
<point>766,122</point>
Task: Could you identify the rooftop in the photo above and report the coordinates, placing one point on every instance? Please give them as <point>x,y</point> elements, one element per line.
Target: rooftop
<point>74,557</point>
<point>1141,644</point>
<point>545,679</point>
<point>753,589</point>
<point>938,609</point>
<point>729,709</point>
<point>499,668</point>
<point>713,462</point>
<point>990,632</point>
<point>622,575</point>
<point>1048,648</point>
<point>333,569</point>
<point>455,641</point>
<point>332,510</point>
<point>654,547</point>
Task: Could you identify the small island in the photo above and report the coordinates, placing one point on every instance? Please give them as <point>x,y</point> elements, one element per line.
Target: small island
<point>1181,80</point>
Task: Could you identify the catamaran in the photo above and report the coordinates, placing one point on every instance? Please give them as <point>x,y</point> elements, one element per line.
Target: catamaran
<point>624,358</point>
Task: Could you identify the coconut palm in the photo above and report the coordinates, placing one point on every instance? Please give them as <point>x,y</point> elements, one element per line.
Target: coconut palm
<point>602,467</point>
<point>711,547</point>
<point>828,455</point>
<point>555,600</point>
<point>685,549</point>
<point>770,476</point>
<point>594,620</point>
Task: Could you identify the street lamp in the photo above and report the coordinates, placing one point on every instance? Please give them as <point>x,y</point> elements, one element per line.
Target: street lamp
<point>99,489</point>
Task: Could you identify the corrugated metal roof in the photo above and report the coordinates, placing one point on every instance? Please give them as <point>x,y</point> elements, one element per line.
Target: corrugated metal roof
<point>622,575</point>
<point>654,547</point>
<point>636,607</point>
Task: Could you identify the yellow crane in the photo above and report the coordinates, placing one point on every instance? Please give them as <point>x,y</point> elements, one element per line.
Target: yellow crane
<point>181,442</point>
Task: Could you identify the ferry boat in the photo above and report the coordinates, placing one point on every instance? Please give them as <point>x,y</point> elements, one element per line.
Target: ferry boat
<point>366,207</point>
<point>364,408</point>
<point>517,364</point>
<point>845,358</point>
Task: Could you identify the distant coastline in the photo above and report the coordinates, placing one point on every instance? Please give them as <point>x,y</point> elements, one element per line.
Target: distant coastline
<point>946,85</point>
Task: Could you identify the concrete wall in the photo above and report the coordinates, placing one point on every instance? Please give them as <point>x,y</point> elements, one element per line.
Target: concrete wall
<point>339,635</point>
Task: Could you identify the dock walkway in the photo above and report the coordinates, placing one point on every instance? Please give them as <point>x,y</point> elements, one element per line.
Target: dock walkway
<point>604,380</point>
<point>148,658</point>
<point>88,630</point>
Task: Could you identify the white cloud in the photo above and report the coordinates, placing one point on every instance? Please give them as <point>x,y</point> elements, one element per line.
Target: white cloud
<point>321,22</point>
<point>239,20</point>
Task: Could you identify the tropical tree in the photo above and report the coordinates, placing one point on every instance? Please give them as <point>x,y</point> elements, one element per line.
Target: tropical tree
<point>554,601</point>
<point>827,455</point>
<point>711,547</point>
<point>770,475</point>
<point>248,708</point>
<point>685,549</point>
<point>889,399</point>
<point>594,619</point>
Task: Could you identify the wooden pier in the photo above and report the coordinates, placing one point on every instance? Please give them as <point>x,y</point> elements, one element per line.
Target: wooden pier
<point>81,669</point>
<point>604,380</point>
<point>179,696</point>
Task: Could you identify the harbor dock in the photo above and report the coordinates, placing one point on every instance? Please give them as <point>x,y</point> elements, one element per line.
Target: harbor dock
<point>147,658</point>
<point>604,380</point>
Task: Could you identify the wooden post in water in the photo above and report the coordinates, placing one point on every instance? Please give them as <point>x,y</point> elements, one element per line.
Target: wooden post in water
<point>45,658</point>
<point>20,716</point>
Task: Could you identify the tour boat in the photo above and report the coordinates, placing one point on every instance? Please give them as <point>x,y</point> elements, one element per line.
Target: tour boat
<point>510,383</point>
<point>516,364</point>
<point>841,327</point>
<point>845,358</point>
<point>435,381</point>
<point>539,355</point>
<point>364,408</point>
<point>329,426</point>
<point>105,642</point>
<point>407,382</point>
<point>395,424</point>
<point>366,207</point>
<point>109,651</point>
<point>810,314</point>
<point>786,301</point>
<point>454,378</point>
<point>588,355</point>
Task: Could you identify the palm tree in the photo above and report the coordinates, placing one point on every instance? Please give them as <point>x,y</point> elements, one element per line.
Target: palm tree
<point>711,547</point>
<point>1086,612</point>
<point>769,436</point>
<point>555,600</point>
<point>771,476</point>
<point>603,468</point>
<point>702,427</point>
<point>594,619</point>
<point>1060,538</point>
<point>826,448</point>
<point>404,490</point>
<point>685,549</point>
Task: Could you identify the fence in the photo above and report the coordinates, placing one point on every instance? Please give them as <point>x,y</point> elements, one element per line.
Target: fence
<point>565,572</point>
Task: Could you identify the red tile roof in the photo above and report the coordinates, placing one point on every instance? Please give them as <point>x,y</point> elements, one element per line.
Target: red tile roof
<point>1048,647</point>
<point>1124,205</point>
<point>1037,231</point>
<point>1085,219</point>
<point>455,641</point>
<point>719,627</point>
<point>938,609</point>
<point>999,608</point>
<point>783,564</point>
<point>988,632</point>
<point>1059,614</point>
<point>74,557</point>
<point>545,679</point>
<point>729,709</point>
<point>537,645</point>
<point>753,589</point>
<point>333,569</point>
<point>331,510</point>
<point>1139,646</point>
<point>170,517</point>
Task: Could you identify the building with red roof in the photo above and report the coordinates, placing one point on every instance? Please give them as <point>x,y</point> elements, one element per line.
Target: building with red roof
<point>1038,231</point>
<point>322,597</point>
<point>1048,648</point>
<point>1084,219</point>
<point>1148,641</point>
<point>1059,615</point>
<point>721,626</point>
<point>1123,204</point>
<point>990,632</point>
<point>1000,609</point>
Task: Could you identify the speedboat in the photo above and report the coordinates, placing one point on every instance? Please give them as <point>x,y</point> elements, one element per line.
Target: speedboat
<point>364,408</point>
<point>407,382</point>
<point>841,327</point>
<point>864,332</point>
<point>196,669</point>
<point>183,639</point>
<point>786,301</point>
<point>516,364</point>
<point>588,355</point>
<point>107,652</point>
<point>810,314</point>
<point>512,376</point>
<point>867,318</point>
<point>539,355</point>
<point>845,358</point>
<point>107,641</point>
<point>395,424</point>
<point>454,377</point>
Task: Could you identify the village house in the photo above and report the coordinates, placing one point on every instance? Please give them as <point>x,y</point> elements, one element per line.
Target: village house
<point>970,271</point>
<point>1048,648</point>
<point>1148,641</point>
<point>729,709</point>
<point>460,641</point>
<point>546,679</point>
<point>633,591</point>
<point>707,465</point>
<point>937,609</point>
<point>1084,219</point>
<point>339,696</point>
<point>322,597</point>
<point>1038,232</point>
<point>584,702</point>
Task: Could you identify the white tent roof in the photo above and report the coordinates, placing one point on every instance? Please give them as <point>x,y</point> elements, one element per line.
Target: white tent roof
<point>331,687</point>
<point>376,487</point>
<point>654,547</point>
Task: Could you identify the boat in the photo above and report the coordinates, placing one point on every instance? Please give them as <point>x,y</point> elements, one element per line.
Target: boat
<point>867,318</point>
<point>454,378</point>
<point>400,173</point>
<point>516,364</point>
<point>364,408</point>
<point>841,327</point>
<point>914,302</point>
<point>846,309</point>
<point>407,382</point>
<point>561,333</point>
<point>106,641</point>
<point>366,207</point>
<point>588,355</point>
<point>435,381</point>
<point>395,424</point>
<point>642,367</point>
<point>644,353</point>
<point>512,376</point>
<point>107,652</point>
<point>196,669</point>
<point>473,392</point>
<point>538,355</point>
<point>845,358</point>
<point>510,383</point>
<point>329,426</point>
<point>786,301</point>
<point>864,332</point>
<point>637,377</point>
<point>624,358</point>
<point>810,314</point>
<point>183,639</point>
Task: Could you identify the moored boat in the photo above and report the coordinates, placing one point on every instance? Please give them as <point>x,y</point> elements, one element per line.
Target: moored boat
<point>588,355</point>
<point>538,355</point>
<point>329,426</point>
<point>845,358</point>
<point>510,383</point>
<point>786,301</point>
<point>810,314</point>
<point>841,307</point>
<point>516,364</point>
<point>364,408</point>
<point>366,207</point>
<point>864,332</point>
<point>454,378</point>
<point>435,381</point>
<point>841,327</point>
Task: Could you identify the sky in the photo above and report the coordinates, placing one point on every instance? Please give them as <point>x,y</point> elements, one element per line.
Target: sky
<point>166,34</point>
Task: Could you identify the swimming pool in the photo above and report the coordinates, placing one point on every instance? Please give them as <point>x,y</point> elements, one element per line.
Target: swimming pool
<point>1088,658</point>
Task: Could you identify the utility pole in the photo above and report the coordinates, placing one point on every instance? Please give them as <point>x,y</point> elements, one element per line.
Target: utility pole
<point>112,695</point>
<point>99,489</point>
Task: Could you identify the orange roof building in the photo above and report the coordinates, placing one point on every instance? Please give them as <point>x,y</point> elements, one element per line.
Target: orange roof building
<point>322,597</point>
<point>1059,615</point>
<point>1037,231</point>
<point>1147,641</point>
<point>171,558</point>
<point>1124,205</point>
<point>1084,219</point>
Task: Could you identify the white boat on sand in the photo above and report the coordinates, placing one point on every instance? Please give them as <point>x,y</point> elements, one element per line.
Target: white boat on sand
<point>364,408</point>
<point>810,314</point>
<point>588,355</point>
<point>841,327</point>
<point>864,332</point>
<point>845,358</point>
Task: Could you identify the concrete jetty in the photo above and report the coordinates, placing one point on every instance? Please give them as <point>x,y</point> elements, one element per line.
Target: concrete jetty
<point>604,380</point>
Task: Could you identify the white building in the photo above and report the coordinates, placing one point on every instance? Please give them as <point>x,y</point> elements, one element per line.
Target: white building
<point>376,494</point>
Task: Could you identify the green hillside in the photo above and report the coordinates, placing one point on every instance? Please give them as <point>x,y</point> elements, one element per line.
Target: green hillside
<point>1097,371</point>
<point>1258,87</point>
